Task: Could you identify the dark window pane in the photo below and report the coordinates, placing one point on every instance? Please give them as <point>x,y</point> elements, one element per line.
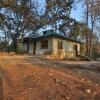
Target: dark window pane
<point>44,44</point>
<point>75,48</point>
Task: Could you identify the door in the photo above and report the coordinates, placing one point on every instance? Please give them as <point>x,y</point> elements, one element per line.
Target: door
<point>34,47</point>
<point>76,49</point>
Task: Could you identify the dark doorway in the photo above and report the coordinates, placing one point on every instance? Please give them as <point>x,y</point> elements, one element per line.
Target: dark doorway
<point>27,42</point>
<point>76,49</point>
<point>34,47</point>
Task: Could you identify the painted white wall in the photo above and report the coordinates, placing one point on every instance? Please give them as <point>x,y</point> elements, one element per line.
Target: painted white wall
<point>31,48</point>
<point>67,50</point>
<point>54,45</point>
<point>24,46</point>
<point>67,46</point>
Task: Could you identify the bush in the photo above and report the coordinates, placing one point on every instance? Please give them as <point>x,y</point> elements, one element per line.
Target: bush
<point>21,51</point>
<point>95,52</point>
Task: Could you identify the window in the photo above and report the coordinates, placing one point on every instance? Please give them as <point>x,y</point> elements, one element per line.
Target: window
<point>60,45</point>
<point>44,44</point>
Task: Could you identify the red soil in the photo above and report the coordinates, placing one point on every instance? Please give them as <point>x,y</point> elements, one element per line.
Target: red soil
<point>21,80</point>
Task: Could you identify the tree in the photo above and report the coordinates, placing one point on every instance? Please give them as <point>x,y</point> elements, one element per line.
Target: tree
<point>93,20</point>
<point>90,18</point>
<point>17,19</point>
<point>58,12</point>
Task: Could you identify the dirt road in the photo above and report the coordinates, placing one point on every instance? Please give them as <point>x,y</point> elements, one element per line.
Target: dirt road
<point>34,78</point>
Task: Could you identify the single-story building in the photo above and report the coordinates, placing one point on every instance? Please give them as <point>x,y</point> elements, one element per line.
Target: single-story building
<point>52,45</point>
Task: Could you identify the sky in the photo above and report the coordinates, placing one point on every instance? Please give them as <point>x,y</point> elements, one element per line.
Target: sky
<point>77,13</point>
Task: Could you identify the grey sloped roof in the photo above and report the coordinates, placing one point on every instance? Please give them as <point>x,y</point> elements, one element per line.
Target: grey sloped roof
<point>33,35</point>
<point>51,33</point>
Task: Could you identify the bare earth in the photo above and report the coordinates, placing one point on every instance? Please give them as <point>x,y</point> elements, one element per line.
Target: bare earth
<point>36,78</point>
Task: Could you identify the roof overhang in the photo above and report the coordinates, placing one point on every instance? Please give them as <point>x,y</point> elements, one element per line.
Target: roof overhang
<point>52,35</point>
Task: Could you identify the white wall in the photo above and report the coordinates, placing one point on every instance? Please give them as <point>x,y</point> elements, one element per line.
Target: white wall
<point>67,46</point>
<point>67,50</point>
<point>31,48</point>
<point>24,46</point>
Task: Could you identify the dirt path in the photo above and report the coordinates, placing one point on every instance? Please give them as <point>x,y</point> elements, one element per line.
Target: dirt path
<point>25,78</point>
<point>88,70</point>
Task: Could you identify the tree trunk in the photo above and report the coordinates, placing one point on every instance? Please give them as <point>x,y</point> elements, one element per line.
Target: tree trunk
<point>90,42</point>
<point>15,47</point>
<point>86,31</point>
<point>92,28</point>
<point>87,48</point>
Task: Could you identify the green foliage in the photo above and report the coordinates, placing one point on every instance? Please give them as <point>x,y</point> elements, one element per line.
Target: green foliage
<point>3,46</point>
<point>73,29</point>
<point>77,30</point>
<point>96,51</point>
<point>58,11</point>
<point>15,23</point>
<point>21,51</point>
<point>11,48</point>
<point>82,51</point>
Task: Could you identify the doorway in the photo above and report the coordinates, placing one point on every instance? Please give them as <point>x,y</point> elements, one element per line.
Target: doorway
<point>76,49</point>
<point>34,47</point>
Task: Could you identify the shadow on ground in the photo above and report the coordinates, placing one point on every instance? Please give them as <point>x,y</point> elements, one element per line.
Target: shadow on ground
<point>89,66</point>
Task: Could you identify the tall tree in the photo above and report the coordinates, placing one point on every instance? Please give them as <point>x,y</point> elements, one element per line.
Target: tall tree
<point>90,18</point>
<point>58,12</point>
<point>17,19</point>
